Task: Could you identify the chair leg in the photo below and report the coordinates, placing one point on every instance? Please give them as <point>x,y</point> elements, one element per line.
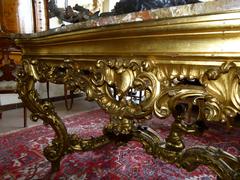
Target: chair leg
<point>25,116</point>
<point>0,115</point>
<point>68,106</point>
<point>47,84</point>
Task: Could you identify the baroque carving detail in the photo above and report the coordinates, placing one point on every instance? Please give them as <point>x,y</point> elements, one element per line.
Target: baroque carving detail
<point>110,82</point>
<point>191,94</point>
<point>216,93</point>
<point>222,87</point>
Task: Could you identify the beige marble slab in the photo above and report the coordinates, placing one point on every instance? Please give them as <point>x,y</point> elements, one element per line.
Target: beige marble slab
<point>198,9</point>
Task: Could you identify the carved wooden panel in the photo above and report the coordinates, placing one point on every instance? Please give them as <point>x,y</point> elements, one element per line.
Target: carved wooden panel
<point>9,16</point>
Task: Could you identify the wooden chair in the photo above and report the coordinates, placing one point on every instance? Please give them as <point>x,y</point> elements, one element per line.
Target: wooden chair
<point>8,79</point>
<point>66,96</point>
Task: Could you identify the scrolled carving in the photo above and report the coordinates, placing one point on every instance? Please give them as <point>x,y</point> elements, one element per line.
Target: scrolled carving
<point>115,78</point>
<point>164,106</point>
<point>214,97</point>
<point>218,86</point>
<point>42,110</point>
<point>79,144</point>
<point>222,86</point>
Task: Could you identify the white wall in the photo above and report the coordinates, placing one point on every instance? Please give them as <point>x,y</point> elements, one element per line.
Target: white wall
<point>25,16</point>
<point>112,4</point>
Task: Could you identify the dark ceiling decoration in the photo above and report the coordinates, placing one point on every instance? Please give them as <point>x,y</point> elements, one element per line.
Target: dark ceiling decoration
<point>79,13</point>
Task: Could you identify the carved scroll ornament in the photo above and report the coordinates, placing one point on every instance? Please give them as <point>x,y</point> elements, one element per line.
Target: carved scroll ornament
<point>190,93</point>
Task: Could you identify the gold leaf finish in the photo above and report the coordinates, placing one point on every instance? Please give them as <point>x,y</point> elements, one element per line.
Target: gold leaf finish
<point>222,86</point>
<point>187,67</point>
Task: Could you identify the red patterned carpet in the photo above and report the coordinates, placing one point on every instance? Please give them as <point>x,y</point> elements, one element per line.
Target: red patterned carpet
<point>21,154</point>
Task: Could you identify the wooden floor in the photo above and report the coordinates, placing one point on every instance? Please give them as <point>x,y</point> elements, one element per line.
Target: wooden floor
<point>13,119</point>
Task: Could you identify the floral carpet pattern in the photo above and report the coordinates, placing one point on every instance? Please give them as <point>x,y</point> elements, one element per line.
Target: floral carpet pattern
<point>21,154</point>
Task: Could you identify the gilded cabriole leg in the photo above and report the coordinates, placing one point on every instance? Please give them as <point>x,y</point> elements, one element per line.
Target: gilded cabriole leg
<point>42,110</point>
<point>63,143</point>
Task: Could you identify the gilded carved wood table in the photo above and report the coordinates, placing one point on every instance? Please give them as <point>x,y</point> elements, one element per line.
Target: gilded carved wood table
<point>184,60</point>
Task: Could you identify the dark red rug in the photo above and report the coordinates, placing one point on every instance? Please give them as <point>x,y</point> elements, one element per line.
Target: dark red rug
<point>21,153</point>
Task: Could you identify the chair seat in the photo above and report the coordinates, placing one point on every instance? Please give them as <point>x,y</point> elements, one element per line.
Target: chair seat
<point>8,87</point>
<point>8,83</point>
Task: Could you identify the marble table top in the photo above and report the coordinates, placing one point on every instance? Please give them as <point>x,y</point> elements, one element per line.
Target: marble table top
<point>211,7</point>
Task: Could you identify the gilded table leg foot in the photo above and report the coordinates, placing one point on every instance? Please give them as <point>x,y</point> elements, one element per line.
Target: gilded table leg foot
<point>54,154</point>
<point>119,130</point>
<point>55,166</point>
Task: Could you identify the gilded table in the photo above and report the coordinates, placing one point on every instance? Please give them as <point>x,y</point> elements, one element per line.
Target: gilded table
<point>184,60</point>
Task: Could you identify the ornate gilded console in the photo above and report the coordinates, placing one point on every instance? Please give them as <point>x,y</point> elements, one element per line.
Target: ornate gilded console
<point>185,60</point>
